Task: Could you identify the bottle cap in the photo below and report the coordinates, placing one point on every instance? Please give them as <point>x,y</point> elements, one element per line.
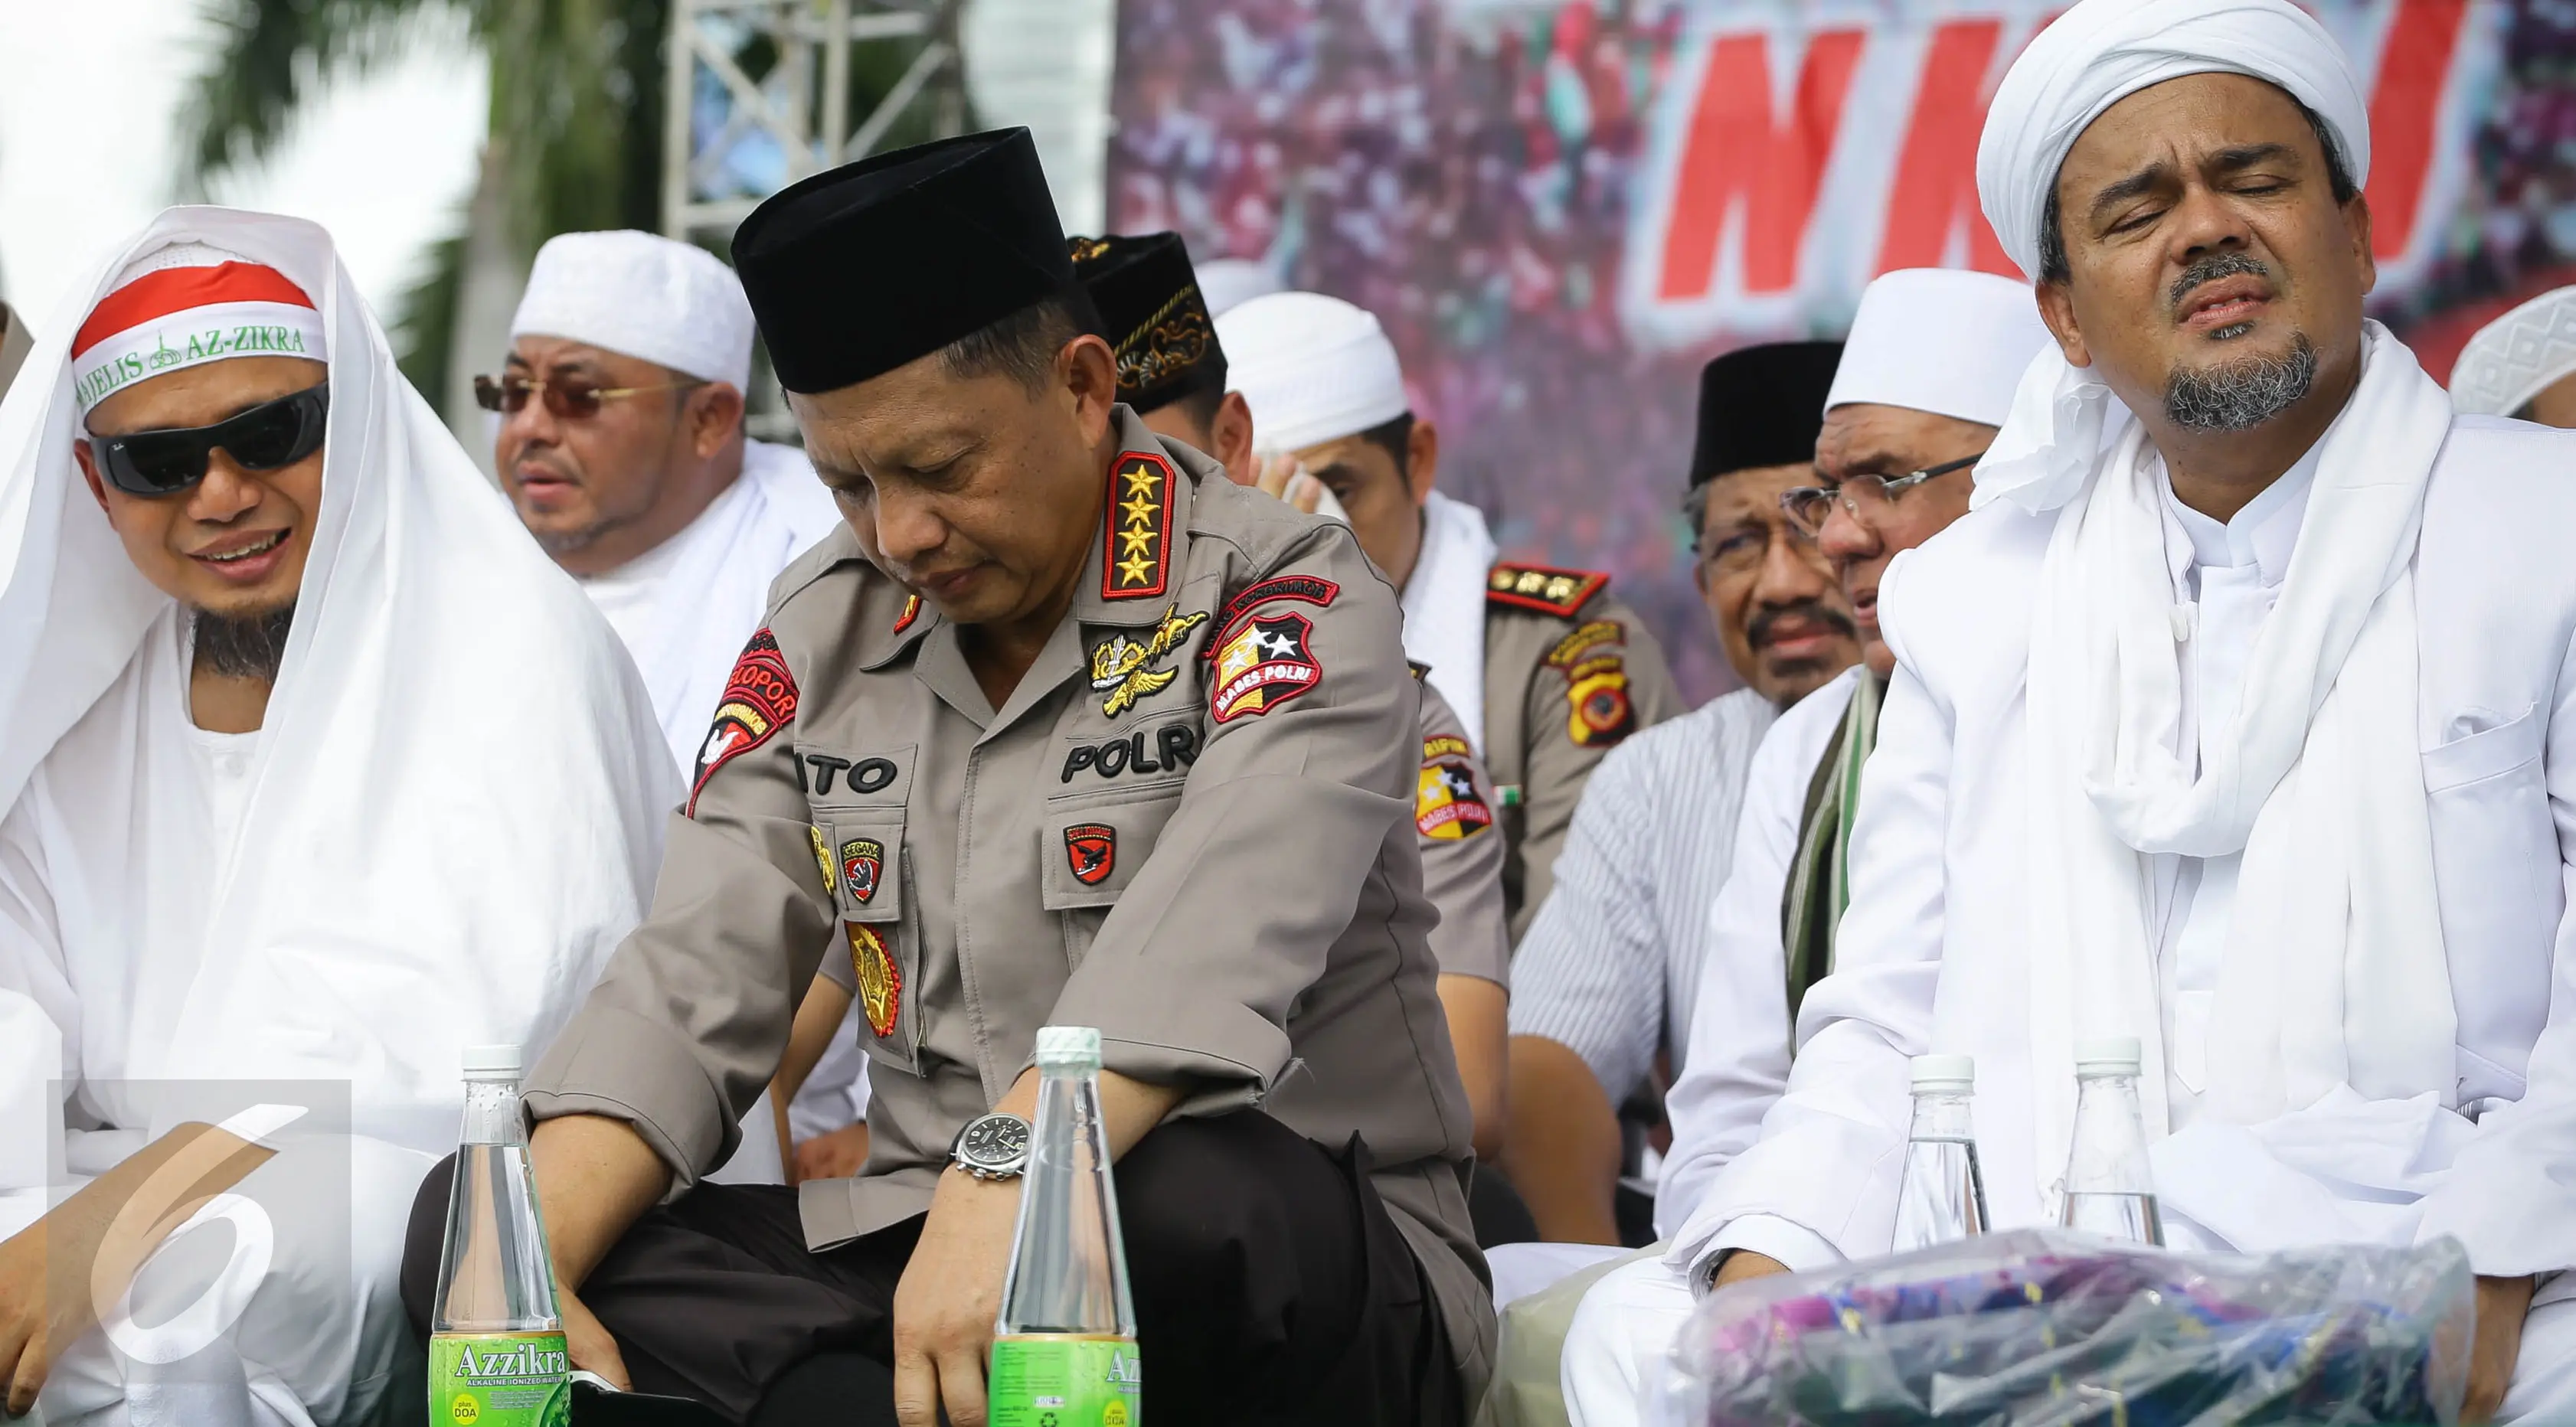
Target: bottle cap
<point>2107,1055</point>
<point>491,1062</point>
<point>1944,1072</point>
<point>1069,1047</point>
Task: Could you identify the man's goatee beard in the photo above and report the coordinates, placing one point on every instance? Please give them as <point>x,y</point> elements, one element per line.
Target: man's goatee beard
<point>249,646</point>
<point>2241,395</point>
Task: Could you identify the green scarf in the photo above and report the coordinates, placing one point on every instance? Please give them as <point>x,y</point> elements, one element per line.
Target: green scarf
<point>1820,879</point>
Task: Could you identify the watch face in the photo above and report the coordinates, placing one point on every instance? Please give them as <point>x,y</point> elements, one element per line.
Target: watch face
<point>995,1140</point>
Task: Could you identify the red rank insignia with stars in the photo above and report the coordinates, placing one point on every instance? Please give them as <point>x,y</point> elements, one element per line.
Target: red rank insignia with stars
<point>1136,536</point>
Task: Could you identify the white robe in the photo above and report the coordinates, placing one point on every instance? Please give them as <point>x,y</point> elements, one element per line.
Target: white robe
<point>450,816</point>
<point>1932,955</point>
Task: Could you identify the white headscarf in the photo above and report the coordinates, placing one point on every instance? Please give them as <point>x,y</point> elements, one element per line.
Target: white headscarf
<point>2517,356</point>
<point>2334,972</point>
<point>457,796</point>
<point>2095,55</point>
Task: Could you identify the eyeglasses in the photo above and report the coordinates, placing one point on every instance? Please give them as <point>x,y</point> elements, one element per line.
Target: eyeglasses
<point>268,437</point>
<point>1809,507</point>
<point>566,398</point>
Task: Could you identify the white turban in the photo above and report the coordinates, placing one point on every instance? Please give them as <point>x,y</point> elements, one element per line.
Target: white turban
<point>2103,51</point>
<point>643,296</point>
<point>2517,356</point>
<point>1312,368</point>
<point>1942,340</point>
<point>2094,56</point>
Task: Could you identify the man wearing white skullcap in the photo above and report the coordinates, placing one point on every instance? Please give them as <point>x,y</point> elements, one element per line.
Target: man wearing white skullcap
<point>1547,671</point>
<point>1926,377</point>
<point>313,774</point>
<point>2522,364</point>
<point>2281,823</point>
<point>622,445</point>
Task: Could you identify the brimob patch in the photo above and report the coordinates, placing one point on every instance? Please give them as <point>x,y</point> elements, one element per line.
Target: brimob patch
<point>1446,804</point>
<point>1596,695</point>
<point>1090,852</point>
<point>880,980</point>
<point>823,859</point>
<point>1264,665</point>
<point>862,863</point>
<point>1124,670</point>
<point>759,699</point>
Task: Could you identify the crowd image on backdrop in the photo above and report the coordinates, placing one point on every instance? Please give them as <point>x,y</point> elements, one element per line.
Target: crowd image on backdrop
<point>1091,884</point>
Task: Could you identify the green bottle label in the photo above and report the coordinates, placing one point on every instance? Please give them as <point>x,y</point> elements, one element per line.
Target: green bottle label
<point>1065,1382</point>
<point>499,1380</point>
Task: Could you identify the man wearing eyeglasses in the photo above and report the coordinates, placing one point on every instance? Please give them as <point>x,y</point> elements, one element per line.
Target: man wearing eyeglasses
<point>1926,377</point>
<point>622,446</point>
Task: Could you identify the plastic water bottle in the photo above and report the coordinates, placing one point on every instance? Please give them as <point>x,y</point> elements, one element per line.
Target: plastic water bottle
<point>1942,1195</point>
<point>2109,1189</point>
<point>1064,1344</point>
<point>496,1346</point>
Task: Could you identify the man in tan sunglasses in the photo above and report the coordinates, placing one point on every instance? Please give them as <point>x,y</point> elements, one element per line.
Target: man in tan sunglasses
<point>622,447</point>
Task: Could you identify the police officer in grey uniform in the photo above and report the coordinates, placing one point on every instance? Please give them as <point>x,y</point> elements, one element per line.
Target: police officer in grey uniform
<point>1063,729</point>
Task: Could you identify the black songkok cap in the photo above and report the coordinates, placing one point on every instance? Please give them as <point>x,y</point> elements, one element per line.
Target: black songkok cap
<point>1148,298</point>
<point>1762,406</point>
<point>855,272</point>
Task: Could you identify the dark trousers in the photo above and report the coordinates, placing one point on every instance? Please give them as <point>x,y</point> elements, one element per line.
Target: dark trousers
<point>1270,1285</point>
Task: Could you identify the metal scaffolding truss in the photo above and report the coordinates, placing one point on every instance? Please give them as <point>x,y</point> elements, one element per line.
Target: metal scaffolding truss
<point>732,139</point>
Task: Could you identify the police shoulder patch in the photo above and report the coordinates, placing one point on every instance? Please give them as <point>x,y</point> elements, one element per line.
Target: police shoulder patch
<point>1268,661</point>
<point>1543,588</point>
<point>759,699</point>
<point>1136,533</point>
<point>1446,804</point>
<point>1598,713</point>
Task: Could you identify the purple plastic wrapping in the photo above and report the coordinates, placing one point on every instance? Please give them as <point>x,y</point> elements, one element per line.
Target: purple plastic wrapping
<point>2040,1328</point>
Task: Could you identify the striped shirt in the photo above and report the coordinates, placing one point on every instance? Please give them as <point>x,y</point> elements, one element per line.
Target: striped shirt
<point>1610,966</point>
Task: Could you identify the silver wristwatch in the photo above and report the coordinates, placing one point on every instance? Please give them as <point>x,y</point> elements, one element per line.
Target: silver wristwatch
<point>994,1146</point>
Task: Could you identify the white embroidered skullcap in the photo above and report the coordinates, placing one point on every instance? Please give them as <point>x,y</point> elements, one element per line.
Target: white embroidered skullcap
<point>1312,368</point>
<point>2517,356</point>
<point>183,304</point>
<point>642,295</point>
<point>1942,340</point>
<point>2102,51</point>
<point>1228,283</point>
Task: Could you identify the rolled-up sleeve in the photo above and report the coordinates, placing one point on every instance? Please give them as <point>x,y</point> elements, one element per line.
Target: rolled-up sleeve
<point>1195,972</point>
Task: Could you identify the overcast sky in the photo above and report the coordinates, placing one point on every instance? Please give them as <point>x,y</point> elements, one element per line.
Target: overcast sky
<point>89,91</point>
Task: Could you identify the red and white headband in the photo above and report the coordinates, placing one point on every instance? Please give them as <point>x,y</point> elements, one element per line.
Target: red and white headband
<point>186,308</point>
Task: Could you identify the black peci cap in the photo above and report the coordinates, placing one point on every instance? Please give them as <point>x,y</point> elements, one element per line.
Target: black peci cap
<point>1148,299</point>
<point>855,272</point>
<point>1762,406</point>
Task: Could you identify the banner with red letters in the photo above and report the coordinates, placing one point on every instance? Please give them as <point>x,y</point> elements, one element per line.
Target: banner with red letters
<point>1561,208</point>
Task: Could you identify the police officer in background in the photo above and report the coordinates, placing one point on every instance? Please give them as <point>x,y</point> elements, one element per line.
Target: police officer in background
<point>1028,743</point>
<point>1545,667</point>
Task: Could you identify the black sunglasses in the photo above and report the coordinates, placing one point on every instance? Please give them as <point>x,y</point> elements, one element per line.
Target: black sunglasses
<point>269,436</point>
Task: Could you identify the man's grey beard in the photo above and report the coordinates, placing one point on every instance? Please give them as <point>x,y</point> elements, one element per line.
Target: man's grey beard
<point>2241,395</point>
<point>251,646</point>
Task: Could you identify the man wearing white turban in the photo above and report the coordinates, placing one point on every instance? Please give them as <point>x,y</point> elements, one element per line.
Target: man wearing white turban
<point>2522,364</point>
<point>2227,725</point>
<point>312,774</point>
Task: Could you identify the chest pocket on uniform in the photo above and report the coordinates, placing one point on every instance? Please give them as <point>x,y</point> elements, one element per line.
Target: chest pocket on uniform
<point>858,835</point>
<point>1091,847</point>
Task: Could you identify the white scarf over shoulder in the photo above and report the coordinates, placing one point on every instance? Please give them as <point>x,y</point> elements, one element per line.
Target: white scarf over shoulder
<point>455,805</point>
